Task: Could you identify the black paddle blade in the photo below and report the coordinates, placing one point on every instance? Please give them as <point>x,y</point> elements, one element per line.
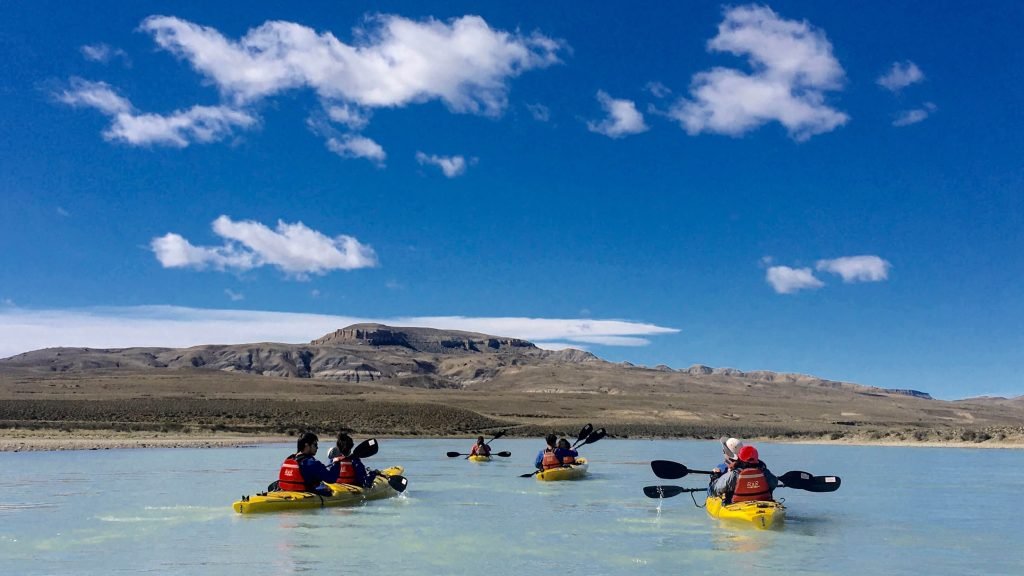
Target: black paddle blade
<point>668,469</point>
<point>584,432</point>
<point>399,483</point>
<point>504,454</point>
<point>365,449</point>
<point>663,491</point>
<point>809,482</point>
<point>595,436</point>
<point>528,475</point>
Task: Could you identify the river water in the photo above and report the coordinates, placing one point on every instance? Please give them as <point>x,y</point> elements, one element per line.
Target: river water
<point>168,511</point>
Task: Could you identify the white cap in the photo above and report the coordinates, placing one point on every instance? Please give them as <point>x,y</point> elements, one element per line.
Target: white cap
<point>731,447</point>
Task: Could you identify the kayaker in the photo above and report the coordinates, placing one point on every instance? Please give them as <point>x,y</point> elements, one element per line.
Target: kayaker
<point>480,448</point>
<point>748,480</point>
<point>565,454</point>
<point>350,469</point>
<point>546,458</point>
<point>302,472</point>
<point>730,450</point>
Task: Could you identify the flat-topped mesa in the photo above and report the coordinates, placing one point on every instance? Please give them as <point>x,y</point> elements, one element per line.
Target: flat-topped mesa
<point>420,339</point>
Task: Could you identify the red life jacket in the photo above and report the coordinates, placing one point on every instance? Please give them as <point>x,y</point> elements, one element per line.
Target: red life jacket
<point>480,450</point>
<point>550,460</point>
<point>346,470</point>
<point>290,477</point>
<point>751,484</point>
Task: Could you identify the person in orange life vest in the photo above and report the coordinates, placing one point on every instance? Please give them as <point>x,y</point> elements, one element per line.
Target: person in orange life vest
<point>546,458</point>
<point>302,472</point>
<point>480,449</point>
<point>350,469</point>
<point>565,454</point>
<point>750,479</point>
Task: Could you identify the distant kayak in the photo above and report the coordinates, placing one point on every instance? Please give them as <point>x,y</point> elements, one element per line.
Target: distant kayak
<point>763,515</point>
<point>570,472</point>
<point>343,495</point>
<point>479,458</point>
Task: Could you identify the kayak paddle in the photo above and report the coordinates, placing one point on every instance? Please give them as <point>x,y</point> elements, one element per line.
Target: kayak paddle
<point>668,491</point>
<point>672,470</point>
<point>809,482</point>
<point>365,449</point>
<point>584,434</point>
<point>504,454</point>
<point>398,482</point>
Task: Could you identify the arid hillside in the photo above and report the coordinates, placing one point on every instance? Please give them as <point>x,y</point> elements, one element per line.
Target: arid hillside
<point>417,381</point>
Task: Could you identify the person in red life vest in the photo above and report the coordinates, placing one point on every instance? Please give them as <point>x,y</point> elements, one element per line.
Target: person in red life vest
<point>565,454</point>
<point>480,449</point>
<point>748,480</point>
<point>546,458</point>
<point>302,472</point>
<point>350,469</point>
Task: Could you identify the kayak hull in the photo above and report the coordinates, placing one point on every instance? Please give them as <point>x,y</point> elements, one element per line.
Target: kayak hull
<point>343,495</point>
<point>571,472</point>
<point>479,458</point>
<point>762,515</point>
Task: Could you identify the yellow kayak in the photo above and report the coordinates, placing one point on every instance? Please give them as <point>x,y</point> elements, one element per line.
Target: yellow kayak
<point>570,472</point>
<point>343,495</point>
<point>479,458</point>
<point>759,514</point>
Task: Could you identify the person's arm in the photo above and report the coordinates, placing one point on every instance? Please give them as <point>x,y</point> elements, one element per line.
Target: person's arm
<point>314,470</point>
<point>472,451</point>
<point>360,469</point>
<point>538,462</point>
<point>773,480</point>
<point>726,483</point>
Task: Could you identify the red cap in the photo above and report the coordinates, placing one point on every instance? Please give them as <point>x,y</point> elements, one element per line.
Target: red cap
<point>748,454</point>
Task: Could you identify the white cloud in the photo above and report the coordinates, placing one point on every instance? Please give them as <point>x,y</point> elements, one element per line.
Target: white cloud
<point>62,212</point>
<point>197,124</point>
<point>452,166</point>
<point>623,117</point>
<point>540,112</point>
<point>786,280</point>
<point>234,296</point>
<point>793,67</point>
<point>857,268</point>
<point>103,53</point>
<point>658,90</point>
<point>393,61</point>
<point>357,146</point>
<point>915,115</point>
<point>901,75</point>
<point>349,115</point>
<point>22,330</point>
<point>293,248</point>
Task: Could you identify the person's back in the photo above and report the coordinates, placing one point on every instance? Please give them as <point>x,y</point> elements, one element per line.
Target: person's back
<point>350,469</point>
<point>480,448</point>
<point>749,480</point>
<point>546,458</point>
<point>301,471</point>
<point>565,454</point>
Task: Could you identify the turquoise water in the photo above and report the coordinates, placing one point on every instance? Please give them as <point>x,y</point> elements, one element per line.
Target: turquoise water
<point>155,511</point>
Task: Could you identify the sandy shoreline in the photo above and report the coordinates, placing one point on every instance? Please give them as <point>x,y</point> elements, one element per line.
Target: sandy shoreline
<point>20,440</point>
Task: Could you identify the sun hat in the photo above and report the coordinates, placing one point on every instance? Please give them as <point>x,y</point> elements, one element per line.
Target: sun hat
<point>748,454</point>
<point>731,447</point>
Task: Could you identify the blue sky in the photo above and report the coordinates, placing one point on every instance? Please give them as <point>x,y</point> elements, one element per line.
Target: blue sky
<point>794,186</point>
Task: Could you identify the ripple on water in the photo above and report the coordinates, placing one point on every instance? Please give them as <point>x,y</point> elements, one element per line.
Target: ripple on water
<point>25,506</point>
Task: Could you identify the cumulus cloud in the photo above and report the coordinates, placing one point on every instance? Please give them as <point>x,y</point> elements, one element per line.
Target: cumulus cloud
<point>857,268</point>
<point>452,166</point>
<point>357,146</point>
<point>349,115</point>
<point>786,280</point>
<point>623,117</point>
<point>900,75</point>
<point>792,69</point>
<point>540,112</point>
<point>103,53</point>
<point>293,248</point>
<point>197,124</point>
<point>23,330</point>
<point>393,61</point>
<point>915,115</point>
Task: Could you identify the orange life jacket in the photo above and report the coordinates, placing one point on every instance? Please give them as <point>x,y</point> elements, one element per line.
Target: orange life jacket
<point>290,477</point>
<point>567,460</point>
<point>550,460</point>
<point>480,450</point>
<point>751,484</point>
<point>346,470</point>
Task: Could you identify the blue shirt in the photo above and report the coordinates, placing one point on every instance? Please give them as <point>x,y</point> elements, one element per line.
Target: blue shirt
<point>314,472</point>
